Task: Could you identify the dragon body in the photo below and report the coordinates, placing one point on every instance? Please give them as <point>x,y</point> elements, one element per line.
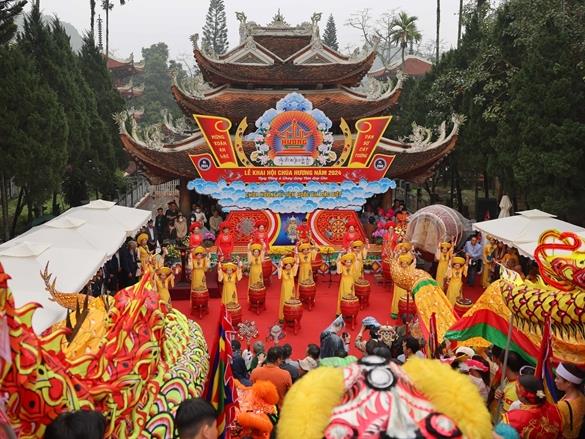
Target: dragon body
<point>145,359</point>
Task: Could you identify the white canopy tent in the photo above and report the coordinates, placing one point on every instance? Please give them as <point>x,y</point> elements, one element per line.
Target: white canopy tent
<point>76,244</point>
<point>522,231</point>
<point>107,213</point>
<point>24,262</point>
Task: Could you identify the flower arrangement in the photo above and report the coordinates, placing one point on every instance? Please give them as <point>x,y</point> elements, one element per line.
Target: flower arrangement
<point>173,252</point>
<point>378,235</point>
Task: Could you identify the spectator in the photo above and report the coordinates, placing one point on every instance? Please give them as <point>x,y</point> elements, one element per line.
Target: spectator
<point>214,222</point>
<point>239,365</point>
<point>111,273</point>
<point>81,424</point>
<point>311,361</point>
<point>196,419</point>
<point>151,232</point>
<point>128,264</point>
<point>160,225</point>
<point>172,212</point>
<point>508,395</point>
<point>474,253</point>
<point>258,348</point>
<point>410,347</point>
<point>197,215</point>
<point>272,372</point>
<point>181,226</point>
<point>289,365</point>
<point>331,343</point>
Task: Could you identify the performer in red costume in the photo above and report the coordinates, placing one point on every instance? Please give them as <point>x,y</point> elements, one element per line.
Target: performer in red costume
<point>261,234</point>
<point>196,238</point>
<point>351,235</point>
<point>390,239</point>
<point>304,234</point>
<point>536,418</point>
<point>225,242</point>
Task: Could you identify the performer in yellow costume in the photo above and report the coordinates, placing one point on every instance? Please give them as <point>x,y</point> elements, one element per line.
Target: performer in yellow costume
<point>287,270</point>
<point>397,292</point>
<point>443,256</point>
<point>255,258</point>
<point>199,264</point>
<point>306,255</point>
<point>455,273</point>
<point>345,268</point>
<point>360,252</point>
<point>164,280</point>
<point>143,252</point>
<point>229,274</point>
<point>488,262</point>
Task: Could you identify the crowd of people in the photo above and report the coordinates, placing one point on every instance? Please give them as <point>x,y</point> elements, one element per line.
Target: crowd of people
<point>515,396</point>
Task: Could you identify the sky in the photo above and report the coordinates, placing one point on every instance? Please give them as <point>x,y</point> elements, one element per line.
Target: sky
<point>141,23</point>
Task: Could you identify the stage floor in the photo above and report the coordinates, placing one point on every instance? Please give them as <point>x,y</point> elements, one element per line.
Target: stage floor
<point>314,321</point>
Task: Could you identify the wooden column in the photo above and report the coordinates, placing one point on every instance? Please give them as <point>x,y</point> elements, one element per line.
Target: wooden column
<point>184,197</point>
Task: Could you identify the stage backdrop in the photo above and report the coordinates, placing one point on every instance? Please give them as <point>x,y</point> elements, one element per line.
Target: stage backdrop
<point>289,168</point>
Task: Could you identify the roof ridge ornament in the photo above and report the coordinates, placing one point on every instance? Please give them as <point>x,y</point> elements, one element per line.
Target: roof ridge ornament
<point>278,20</point>
<point>242,18</point>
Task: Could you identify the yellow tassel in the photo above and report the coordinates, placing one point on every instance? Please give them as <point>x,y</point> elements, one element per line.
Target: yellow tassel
<point>452,394</point>
<point>307,407</point>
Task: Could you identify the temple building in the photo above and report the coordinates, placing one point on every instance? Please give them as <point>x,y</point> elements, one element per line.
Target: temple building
<point>413,66</point>
<point>270,62</point>
<point>126,74</point>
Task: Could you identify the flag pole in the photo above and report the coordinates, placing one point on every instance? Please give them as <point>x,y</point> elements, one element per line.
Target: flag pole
<point>504,368</point>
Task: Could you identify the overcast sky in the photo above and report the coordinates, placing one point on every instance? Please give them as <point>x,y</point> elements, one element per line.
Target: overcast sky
<point>141,23</point>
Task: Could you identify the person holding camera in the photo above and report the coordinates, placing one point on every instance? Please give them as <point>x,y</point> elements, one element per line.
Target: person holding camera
<point>370,324</point>
<point>474,253</point>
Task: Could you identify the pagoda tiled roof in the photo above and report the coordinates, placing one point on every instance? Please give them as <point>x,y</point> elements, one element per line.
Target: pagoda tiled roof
<point>305,67</point>
<point>413,66</point>
<point>413,161</point>
<point>337,103</point>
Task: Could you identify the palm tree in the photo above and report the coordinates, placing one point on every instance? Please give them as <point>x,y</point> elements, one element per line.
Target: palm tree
<point>438,27</point>
<point>404,31</point>
<point>91,16</point>
<point>107,6</point>
<point>460,22</point>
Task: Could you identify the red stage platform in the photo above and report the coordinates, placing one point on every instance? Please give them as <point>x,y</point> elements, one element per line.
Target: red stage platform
<point>313,322</point>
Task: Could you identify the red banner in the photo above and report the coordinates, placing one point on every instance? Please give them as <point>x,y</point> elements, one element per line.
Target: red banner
<point>217,134</point>
<point>369,132</point>
<point>208,171</point>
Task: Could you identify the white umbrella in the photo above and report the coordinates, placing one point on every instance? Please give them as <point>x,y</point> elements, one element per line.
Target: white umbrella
<point>505,206</point>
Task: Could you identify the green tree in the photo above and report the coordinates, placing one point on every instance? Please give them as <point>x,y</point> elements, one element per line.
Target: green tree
<point>438,37</point>
<point>106,154</point>
<point>215,29</point>
<point>404,31</point>
<point>9,9</point>
<point>33,132</point>
<point>330,34</point>
<point>56,62</point>
<point>157,83</point>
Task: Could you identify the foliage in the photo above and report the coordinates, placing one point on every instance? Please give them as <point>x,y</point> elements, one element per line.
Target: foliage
<point>403,31</point>
<point>380,29</point>
<point>157,83</point>
<point>330,34</point>
<point>33,127</point>
<point>9,9</point>
<point>215,29</point>
<point>518,76</point>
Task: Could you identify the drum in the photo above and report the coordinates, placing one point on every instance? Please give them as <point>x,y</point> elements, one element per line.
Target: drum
<point>293,312</point>
<point>317,262</point>
<point>307,292</point>
<point>199,302</point>
<point>362,291</point>
<point>406,306</point>
<point>235,312</point>
<point>462,305</point>
<point>257,298</point>
<point>350,306</point>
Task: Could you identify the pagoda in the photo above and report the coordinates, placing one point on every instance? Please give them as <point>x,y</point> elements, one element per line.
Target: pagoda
<point>269,63</point>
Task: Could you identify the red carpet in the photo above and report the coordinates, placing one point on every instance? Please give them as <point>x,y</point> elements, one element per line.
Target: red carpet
<point>314,321</point>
